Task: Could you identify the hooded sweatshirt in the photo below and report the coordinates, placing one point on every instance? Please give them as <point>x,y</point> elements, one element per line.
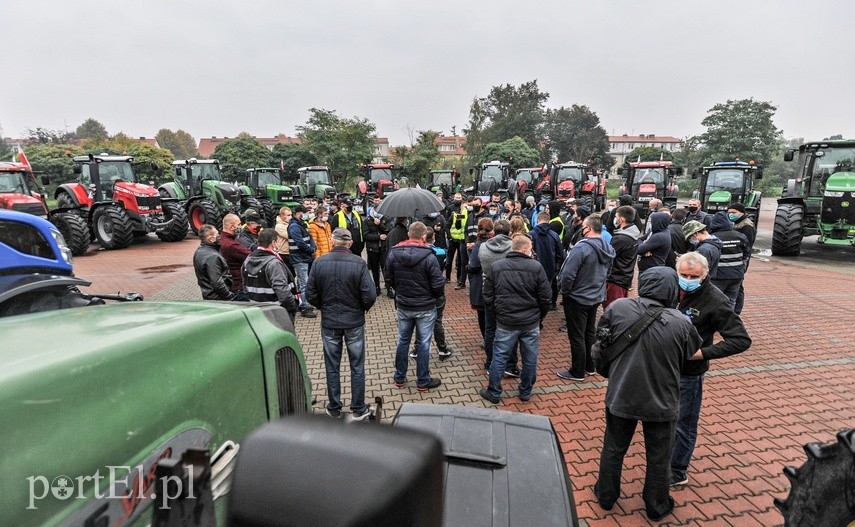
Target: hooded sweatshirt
<point>414,274</point>
<point>735,250</point>
<point>658,244</point>
<point>583,275</point>
<point>711,249</point>
<point>624,242</point>
<point>644,381</point>
<point>493,250</point>
<point>548,247</point>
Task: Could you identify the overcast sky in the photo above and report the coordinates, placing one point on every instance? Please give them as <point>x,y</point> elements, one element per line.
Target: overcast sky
<point>216,68</point>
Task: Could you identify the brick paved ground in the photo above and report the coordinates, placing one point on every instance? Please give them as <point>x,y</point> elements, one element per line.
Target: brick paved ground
<point>793,386</point>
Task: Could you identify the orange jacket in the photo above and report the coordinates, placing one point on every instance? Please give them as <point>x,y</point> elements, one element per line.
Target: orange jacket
<point>322,234</point>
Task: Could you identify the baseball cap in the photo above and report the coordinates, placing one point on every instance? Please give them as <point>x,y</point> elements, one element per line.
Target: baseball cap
<point>299,208</point>
<point>341,235</point>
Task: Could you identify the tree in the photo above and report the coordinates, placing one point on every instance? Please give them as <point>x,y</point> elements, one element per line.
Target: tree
<point>419,158</point>
<point>5,150</point>
<point>91,129</point>
<point>514,150</point>
<point>292,157</point>
<point>690,155</point>
<point>144,154</point>
<point>740,129</point>
<point>648,153</point>
<point>241,153</point>
<point>51,159</point>
<point>44,135</point>
<point>180,143</point>
<point>575,134</point>
<point>339,143</point>
<point>507,112</point>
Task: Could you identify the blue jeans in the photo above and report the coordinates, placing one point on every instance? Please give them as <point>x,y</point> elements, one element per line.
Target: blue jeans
<point>355,339</point>
<point>691,392</point>
<point>506,340</point>
<point>302,271</point>
<point>490,339</point>
<point>422,322</point>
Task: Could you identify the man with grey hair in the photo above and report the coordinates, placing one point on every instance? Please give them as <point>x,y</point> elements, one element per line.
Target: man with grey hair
<point>212,272</point>
<point>343,302</point>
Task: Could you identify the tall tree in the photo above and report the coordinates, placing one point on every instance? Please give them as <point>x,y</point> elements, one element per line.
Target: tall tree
<point>44,135</point>
<point>180,143</point>
<point>514,150</point>
<point>339,143</point>
<point>575,134</point>
<point>508,111</point>
<point>241,153</point>
<point>419,158</point>
<point>742,129</point>
<point>51,159</point>
<point>5,150</point>
<point>648,153</point>
<point>91,129</point>
<point>292,156</point>
<point>690,155</point>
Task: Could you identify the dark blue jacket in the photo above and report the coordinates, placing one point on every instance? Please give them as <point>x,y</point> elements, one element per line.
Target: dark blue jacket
<point>548,247</point>
<point>414,274</point>
<point>658,244</point>
<point>735,249</point>
<point>341,287</point>
<point>301,246</point>
<point>476,277</point>
<point>583,275</point>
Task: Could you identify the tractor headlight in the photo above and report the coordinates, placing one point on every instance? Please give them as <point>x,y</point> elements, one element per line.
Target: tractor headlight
<point>831,194</point>
<point>63,247</point>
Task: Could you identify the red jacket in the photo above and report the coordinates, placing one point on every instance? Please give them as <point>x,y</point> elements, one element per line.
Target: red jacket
<point>234,253</point>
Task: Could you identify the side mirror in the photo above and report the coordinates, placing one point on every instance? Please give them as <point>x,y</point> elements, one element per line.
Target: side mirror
<point>759,174</point>
<point>788,155</point>
<point>154,166</point>
<point>45,179</point>
<point>76,168</point>
<point>178,171</point>
<point>696,172</point>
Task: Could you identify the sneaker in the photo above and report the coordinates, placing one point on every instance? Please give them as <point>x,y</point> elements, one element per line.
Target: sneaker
<point>334,413</point>
<point>448,280</point>
<point>308,312</point>
<point>512,372</point>
<point>414,354</point>
<point>563,329</point>
<point>356,416</point>
<point>658,516</point>
<point>565,374</point>
<point>400,384</point>
<point>433,383</point>
<point>390,293</point>
<point>459,286</point>
<point>444,354</point>
<point>525,398</point>
<point>592,372</point>
<point>486,395</point>
<point>677,481</point>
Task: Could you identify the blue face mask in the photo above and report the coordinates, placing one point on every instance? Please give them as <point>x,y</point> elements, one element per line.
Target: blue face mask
<point>733,217</point>
<point>689,285</point>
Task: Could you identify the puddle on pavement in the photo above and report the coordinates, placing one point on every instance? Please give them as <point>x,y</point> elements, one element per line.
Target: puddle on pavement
<point>159,269</point>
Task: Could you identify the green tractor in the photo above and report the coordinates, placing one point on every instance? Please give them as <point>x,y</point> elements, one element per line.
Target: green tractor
<point>727,182</point>
<point>448,181</point>
<point>199,186</point>
<point>314,181</point>
<point>819,200</point>
<point>265,185</point>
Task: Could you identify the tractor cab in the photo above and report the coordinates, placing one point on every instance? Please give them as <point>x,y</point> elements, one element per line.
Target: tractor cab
<point>491,177</point>
<point>263,187</point>
<point>727,182</point>
<point>568,179</point>
<point>19,190</point>
<point>316,181</point>
<point>444,180</point>
<point>378,179</point>
<point>203,194</point>
<point>525,181</point>
<point>646,180</point>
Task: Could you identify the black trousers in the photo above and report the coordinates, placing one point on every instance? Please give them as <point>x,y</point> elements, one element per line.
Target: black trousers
<point>582,332</point>
<point>457,248</point>
<point>658,443</point>
<point>374,266</point>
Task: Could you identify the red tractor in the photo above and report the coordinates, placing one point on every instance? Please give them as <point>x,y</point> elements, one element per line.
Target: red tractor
<point>646,180</point>
<point>525,181</point>
<point>572,180</point>
<point>117,208</point>
<point>377,180</point>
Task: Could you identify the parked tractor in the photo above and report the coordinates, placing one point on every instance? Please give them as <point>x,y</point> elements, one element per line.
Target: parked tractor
<point>727,182</point>
<point>108,198</point>
<point>448,181</point>
<point>525,182</point>
<point>266,186</point>
<point>314,181</point>
<point>819,200</point>
<point>19,189</point>
<point>646,180</point>
<point>378,179</point>
<point>198,185</point>
<point>491,177</point>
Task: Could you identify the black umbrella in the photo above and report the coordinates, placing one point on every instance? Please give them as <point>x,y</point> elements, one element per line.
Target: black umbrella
<point>410,202</point>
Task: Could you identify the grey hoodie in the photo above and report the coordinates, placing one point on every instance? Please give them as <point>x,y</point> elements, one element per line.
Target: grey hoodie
<point>583,275</point>
<point>493,250</point>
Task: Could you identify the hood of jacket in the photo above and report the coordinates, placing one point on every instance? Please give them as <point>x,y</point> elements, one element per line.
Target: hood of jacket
<point>257,260</point>
<point>659,221</point>
<point>660,284</point>
<point>499,244</point>
<point>713,240</point>
<point>632,231</point>
<point>624,199</point>
<point>604,251</point>
<point>554,208</point>
<point>720,222</point>
<point>412,252</point>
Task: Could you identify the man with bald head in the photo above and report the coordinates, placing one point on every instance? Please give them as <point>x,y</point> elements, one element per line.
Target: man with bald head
<point>233,252</point>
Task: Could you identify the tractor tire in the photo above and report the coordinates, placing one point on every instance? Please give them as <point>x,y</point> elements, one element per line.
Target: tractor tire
<point>112,226</point>
<point>587,201</point>
<point>787,233</point>
<point>268,212</point>
<point>201,212</point>
<point>64,201</point>
<point>177,230</point>
<point>75,231</point>
<point>250,202</point>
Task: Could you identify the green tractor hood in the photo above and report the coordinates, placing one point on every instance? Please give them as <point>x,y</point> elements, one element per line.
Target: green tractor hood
<point>841,182</point>
<point>837,217</point>
<point>720,196</point>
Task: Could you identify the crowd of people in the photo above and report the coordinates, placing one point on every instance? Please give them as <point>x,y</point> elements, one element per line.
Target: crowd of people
<point>518,258</point>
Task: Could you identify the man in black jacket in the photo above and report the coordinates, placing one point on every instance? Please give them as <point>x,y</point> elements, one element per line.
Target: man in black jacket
<point>343,303</point>
<point>266,278</point>
<point>678,239</point>
<point>212,272</point>
<point>376,232</point>
<point>644,385</point>
<point>519,285</point>
<point>414,273</point>
<point>624,240</point>
<point>735,252</point>
<point>709,310</point>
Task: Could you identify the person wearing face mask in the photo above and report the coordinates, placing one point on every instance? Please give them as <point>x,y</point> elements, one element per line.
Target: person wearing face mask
<point>248,236</point>
<point>476,212</point>
<point>704,243</point>
<point>301,249</point>
<point>435,222</point>
<point>735,251</point>
<point>493,212</point>
<point>319,229</point>
<point>624,241</point>
<point>233,252</point>
<point>457,256</point>
<point>349,219</point>
<point>530,207</point>
<point>265,276</point>
<point>696,214</point>
<point>710,312</point>
<point>742,223</point>
<point>653,250</point>
<point>212,272</point>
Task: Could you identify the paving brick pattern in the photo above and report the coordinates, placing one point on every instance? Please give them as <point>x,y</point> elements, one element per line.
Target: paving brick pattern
<point>793,386</point>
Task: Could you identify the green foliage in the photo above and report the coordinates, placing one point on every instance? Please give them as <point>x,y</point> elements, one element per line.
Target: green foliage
<point>5,150</point>
<point>575,134</point>
<point>507,112</point>
<point>836,137</point>
<point>523,155</point>
<point>292,157</point>
<point>180,143</point>
<point>690,155</point>
<point>144,154</point>
<point>339,143</point>
<point>45,136</point>
<point>649,153</point>
<point>238,154</point>
<point>50,159</point>
<point>419,159</point>
<point>91,129</point>
<point>740,129</point>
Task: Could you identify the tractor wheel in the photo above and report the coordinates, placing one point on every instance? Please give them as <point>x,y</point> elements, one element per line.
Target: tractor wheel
<point>75,231</point>
<point>64,201</point>
<point>250,202</point>
<point>201,212</point>
<point>268,212</point>
<point>787,232</point>
<point>113,227</point>
<point>177,230</point>
<point>587,201</point>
